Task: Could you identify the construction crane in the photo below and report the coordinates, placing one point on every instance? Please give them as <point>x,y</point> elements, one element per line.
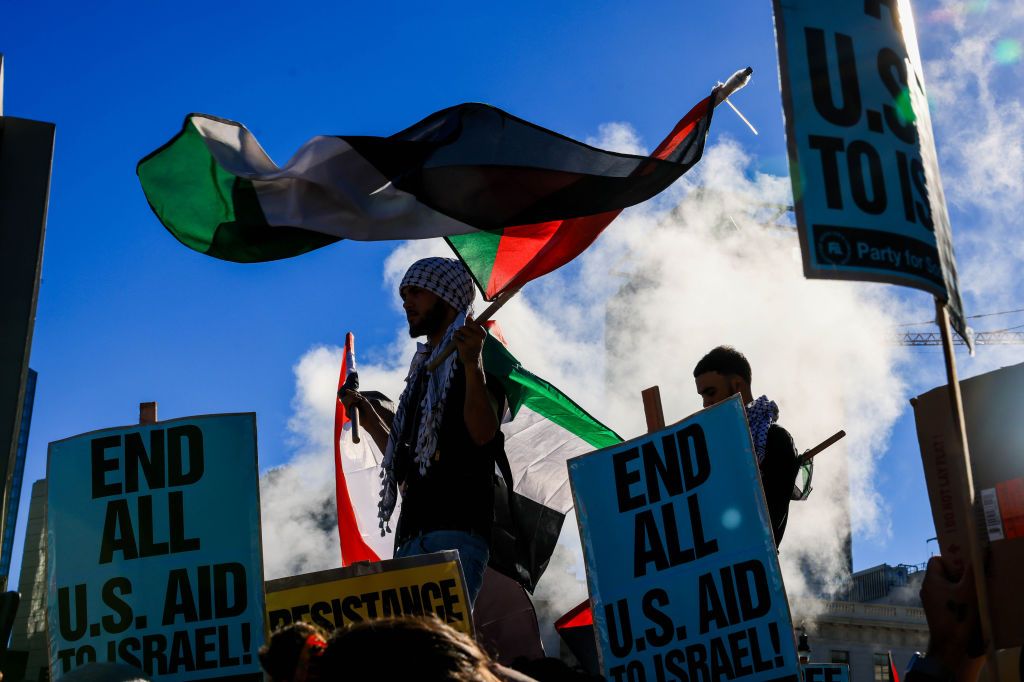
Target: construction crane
<point>996,337</point>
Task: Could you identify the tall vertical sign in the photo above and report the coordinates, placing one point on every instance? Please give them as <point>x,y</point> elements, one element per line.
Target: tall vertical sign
<point>154,552</point>
<point>868,196</point>
<point>26,152</point>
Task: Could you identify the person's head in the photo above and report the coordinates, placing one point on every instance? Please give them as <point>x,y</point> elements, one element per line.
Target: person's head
<point>405,649</point>
<point>721,373</point>
<point>293,652</point>
<point>434,291</point>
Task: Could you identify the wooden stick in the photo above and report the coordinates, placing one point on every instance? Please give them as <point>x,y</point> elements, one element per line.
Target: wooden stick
<point>147,413</point>
<point>965,500</point>
<point>827,443</point>
<point>652,409</point>
<point>488,312</point>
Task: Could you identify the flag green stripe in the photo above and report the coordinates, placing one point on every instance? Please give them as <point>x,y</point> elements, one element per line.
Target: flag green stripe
<point>523,387</point>
<point>214,211</point>
<point>548,401</point>
<point>187,202</point>
<point>478,251</point>
<point>249,239</point>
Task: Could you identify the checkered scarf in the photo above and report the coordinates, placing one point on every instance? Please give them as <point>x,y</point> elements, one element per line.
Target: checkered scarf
<point>445,277</point>
<point>448,279</point>
<point>761,414</point>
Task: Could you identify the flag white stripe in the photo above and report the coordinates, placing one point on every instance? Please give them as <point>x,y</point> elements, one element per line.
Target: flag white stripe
<point>537,451</point>
<point>327,186</point>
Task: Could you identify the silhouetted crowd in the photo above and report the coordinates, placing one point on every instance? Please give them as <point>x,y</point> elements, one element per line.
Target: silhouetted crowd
<point>410,648</point>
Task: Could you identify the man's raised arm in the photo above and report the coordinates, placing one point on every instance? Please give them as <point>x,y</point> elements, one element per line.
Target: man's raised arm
<point>479,411</point>
<point>370,420</point>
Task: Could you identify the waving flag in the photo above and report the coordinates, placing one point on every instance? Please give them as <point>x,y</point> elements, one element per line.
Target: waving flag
<point>502,260</point>
<point>468,169</point>
<point>358,463</point>
<point>543,428</point>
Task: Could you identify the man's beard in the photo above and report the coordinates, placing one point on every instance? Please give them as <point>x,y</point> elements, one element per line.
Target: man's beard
<point>431,321</point>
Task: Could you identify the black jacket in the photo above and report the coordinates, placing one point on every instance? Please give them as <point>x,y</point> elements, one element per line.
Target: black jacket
<point>778,472</point>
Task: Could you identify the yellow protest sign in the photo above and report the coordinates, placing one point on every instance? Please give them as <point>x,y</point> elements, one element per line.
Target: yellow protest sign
<point>413,586</point>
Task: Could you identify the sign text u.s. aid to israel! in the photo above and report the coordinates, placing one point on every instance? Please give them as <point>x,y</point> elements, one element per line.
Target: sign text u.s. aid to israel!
<point>683,574</point>
<point>154,549</point>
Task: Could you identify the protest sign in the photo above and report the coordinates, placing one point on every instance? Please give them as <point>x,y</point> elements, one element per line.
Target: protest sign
<point>868,196</point>
<point>825,672</point>
<point>154,549</point>
<point>995,429</point>
<point>413,586</point>
<point>682,568</point>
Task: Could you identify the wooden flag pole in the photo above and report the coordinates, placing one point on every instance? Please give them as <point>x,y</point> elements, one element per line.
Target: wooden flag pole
<point>966,497</point>
<point>488,312</point>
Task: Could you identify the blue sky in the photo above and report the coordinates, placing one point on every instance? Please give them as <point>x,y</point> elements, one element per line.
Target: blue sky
<point>126,314</point>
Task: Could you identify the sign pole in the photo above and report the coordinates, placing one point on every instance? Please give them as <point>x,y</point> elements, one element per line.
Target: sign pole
<point>147,413</point>
<point>652,409</point>
<point>966,498</point>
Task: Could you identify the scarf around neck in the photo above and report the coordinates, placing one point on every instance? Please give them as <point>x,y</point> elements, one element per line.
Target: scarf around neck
<point>761,414</point>
<point>431,411</point>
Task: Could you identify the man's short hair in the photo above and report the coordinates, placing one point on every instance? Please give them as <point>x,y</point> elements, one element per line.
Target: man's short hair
<point>725,360</point>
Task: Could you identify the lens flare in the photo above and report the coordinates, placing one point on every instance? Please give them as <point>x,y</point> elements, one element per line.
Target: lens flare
<point>904,107</point>
<point>942,16</point>
<point>731,518</point>
<point>1008,51</point>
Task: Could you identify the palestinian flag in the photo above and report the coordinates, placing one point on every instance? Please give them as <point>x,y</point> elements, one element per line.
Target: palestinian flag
<point>543,428</point>
<point>469,169</point>
<point>504,260</point>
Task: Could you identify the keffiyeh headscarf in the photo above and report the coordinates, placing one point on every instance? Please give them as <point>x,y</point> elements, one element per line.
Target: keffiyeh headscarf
<point>448,279</point>
<point>761,414</point>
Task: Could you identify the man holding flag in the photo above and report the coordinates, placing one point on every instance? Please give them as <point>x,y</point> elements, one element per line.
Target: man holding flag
<point>444,440</point>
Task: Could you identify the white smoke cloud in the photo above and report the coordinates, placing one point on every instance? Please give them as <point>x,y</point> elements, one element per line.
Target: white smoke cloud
<point>300,532</point>
<point>713,261</point>
<point>666,283</point>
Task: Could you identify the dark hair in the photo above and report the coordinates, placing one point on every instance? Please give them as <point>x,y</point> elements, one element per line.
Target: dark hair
<point>410,648</point>
<point>552,670</point>
<point>725,360</point>
<point>282,656</point>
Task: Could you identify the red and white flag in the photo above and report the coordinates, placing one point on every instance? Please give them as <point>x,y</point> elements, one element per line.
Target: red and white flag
<point>357,471</point>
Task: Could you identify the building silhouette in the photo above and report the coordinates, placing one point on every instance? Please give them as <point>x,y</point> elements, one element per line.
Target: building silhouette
<point>17,475</point>
<point>29,635</point>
